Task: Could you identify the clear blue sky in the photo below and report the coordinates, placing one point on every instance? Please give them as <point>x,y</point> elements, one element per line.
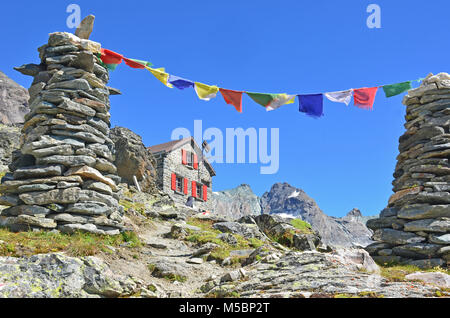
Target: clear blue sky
<point>344,160</point>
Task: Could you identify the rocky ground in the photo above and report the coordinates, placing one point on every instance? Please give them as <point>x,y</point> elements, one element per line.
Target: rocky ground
<point>186,254</point>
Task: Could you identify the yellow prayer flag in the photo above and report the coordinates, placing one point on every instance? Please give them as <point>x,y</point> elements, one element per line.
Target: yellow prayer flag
<point>206,92</point>
<point>280,100</point>
<point>160,73</point>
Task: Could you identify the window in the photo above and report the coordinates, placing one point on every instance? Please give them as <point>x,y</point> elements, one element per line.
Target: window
<point>199,190</point>
<point>190,159</point>
<point>180,184</point>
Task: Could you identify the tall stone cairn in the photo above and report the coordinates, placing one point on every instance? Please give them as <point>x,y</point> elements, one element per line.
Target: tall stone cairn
<point>64,178</point>
<point>415,227</point>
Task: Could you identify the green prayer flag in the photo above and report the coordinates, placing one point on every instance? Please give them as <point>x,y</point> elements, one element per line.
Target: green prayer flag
<point>111,67</point>
<point>262,99</point>
<point>396,89</point>
<point>145,63</point>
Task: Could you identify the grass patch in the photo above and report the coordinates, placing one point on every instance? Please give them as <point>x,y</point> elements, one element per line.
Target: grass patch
<point>78,244</point>
<point>344,296</point>
<point>205,225</point>
<point>286,239</point>
<point>204,237</point>
<point>138,207</point>
<point>302,226</point>
<point>209,235</point>
<point>170,277</point>
<point>152,288</point>
<point>2,174</point>
<point>397,273</point>
<point>370,294</point>
<point>175,278</point>
<point>223,294</point>
<point>255,243</point>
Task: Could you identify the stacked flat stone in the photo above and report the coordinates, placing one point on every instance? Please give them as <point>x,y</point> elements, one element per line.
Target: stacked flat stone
<point>65,178</point>
<point>415,227</point>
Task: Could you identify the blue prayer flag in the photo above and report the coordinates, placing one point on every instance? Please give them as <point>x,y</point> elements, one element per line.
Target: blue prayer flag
<point>179,82</point>
<point>312,105</point>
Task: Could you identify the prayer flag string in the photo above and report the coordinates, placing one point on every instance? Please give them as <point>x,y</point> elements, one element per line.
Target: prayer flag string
<point>310,104</point>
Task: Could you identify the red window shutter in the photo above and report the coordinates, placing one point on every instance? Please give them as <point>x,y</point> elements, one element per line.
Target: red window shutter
<point>195,162</point>
<point>174,182</point>
<point>186,182</point>
<point>183,157</point>
<point>194,189</point>
<point>205,193</point>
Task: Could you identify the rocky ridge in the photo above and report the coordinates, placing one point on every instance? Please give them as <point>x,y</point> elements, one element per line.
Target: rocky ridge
<point>236,203</point>
<point>291,202</point>
<point>288,201</point>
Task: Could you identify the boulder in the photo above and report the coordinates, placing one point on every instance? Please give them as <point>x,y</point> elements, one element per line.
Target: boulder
<point>60,276</point>
<point>435,278</point>
<point>357,258</point>
<point>306,242</point>
<point>166,269</point>
<point>245,230</point>
<point>133,159</point>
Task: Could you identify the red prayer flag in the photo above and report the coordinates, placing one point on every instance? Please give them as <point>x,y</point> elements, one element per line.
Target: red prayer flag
<point>365,97</point>
<point>110,57</point>
<point>133,64</point>
<point>232,98</point>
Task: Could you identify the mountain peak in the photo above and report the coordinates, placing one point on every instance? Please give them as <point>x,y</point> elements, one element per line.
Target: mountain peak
<point>355,212</point>
<point>13,101</point>
<point>235,203</point>
<point>286,199</point>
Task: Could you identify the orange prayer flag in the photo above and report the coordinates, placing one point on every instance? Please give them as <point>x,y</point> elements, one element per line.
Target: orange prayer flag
<point>365,97</point>
<point>232,98</point>
<point>111,57</point>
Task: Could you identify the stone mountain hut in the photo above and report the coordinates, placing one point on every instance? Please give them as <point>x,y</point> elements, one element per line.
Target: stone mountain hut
<point>183,172</point>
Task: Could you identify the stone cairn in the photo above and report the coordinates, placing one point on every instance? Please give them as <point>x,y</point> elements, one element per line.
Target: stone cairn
<point>65,178</point>
<point>415,227</point>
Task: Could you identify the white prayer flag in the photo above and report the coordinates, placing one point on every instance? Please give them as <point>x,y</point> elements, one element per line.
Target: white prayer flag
<point>340,97</point>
